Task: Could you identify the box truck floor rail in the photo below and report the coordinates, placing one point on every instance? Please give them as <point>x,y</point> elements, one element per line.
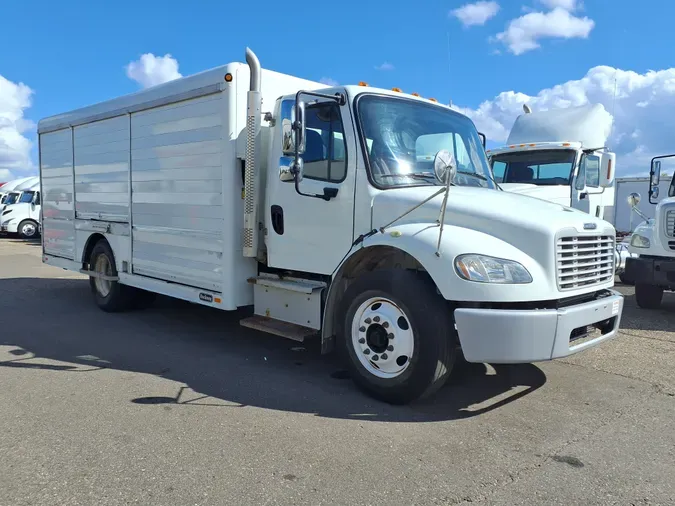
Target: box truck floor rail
<point>365,217</point>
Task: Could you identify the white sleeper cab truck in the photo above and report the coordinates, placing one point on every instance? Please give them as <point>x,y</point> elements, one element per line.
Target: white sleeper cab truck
<point>22,217</point>
<point>653,241</point>
<point>560,155</point>
<point>245,187</point>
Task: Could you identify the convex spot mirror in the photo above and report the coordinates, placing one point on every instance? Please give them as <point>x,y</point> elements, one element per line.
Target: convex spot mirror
<point>633,199</point>
<point>445,166</point>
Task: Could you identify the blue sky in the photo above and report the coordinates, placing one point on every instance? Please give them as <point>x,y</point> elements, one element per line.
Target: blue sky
<point>76,53</point>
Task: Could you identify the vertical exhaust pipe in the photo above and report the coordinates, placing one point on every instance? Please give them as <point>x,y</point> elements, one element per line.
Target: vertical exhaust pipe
<point>253,125</point>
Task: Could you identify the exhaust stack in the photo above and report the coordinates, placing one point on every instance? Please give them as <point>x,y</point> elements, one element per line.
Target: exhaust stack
<point>253,125</point>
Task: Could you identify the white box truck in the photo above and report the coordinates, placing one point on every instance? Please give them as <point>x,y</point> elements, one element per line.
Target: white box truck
<point>653,270</point>
<point>241,187</point>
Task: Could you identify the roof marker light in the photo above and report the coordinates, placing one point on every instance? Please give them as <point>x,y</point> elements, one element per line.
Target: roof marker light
<point>433,100</point>
<point>396,89</point>
<point>362,83</point>
<point>415,94</point>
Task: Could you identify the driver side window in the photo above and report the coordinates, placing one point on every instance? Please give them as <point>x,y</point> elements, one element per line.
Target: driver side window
<point>325,156</point>
<point>499,169</point>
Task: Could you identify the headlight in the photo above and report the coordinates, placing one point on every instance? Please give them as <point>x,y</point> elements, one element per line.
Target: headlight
<point>485,269</point>
<point>639,241</point>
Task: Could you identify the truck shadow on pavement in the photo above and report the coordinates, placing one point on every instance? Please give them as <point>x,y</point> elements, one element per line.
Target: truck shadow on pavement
<point>215,362</point>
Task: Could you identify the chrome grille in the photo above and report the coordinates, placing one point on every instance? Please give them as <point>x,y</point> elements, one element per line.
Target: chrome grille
<point>670,223</point>
<point>584,261</point>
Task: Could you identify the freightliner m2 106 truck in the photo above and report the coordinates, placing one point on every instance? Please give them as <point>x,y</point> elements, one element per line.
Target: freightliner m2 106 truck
<point>341,212</point>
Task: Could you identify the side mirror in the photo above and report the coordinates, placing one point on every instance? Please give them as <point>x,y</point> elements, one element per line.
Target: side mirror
<point>445,166</point>
<point>654,193</point>
<point>607,169</point>
<point>299,127</point>
<point>633,199</point>
<point>591,170</point>
<point>655,173</point>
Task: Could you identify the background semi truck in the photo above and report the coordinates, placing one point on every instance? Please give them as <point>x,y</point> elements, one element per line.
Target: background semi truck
<point>22,217</point>
<point>363,216</point>
<point>653,242</point>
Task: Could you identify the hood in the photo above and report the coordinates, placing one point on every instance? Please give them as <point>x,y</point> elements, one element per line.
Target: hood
<point>527,223</point>
<point>558,193</point>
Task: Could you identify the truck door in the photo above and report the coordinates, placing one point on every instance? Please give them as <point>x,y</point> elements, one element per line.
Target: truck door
<point>305,232</point>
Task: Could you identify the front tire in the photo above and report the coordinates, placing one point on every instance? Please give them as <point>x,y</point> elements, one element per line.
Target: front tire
<point>648,296</point>
<point>28,229</point>
<point>396,335</point>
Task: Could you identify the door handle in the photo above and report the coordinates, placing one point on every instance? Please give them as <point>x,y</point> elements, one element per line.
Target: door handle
<point>277,215</point>
<point>329,192</point>
<point>583,196</point>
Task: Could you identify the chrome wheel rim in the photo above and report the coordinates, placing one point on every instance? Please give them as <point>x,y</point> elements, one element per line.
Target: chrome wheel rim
<point>28,230</point>
<point>103,266</point>
<point>382,338</point>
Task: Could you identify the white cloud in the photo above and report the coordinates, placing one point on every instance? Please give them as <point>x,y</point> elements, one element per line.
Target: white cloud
<point>329,81</point>
<point>568,5</point>
<point>524,33</point>
<point>15,146</point>
<point>476,13</point>
<point>643,121</point>
<point>150,70</point>
<point>385,66</point>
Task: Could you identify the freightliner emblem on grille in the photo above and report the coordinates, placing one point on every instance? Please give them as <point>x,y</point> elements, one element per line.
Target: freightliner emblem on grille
<point>590,226</point>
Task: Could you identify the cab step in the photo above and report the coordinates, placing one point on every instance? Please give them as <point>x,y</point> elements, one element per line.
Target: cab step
<point>278,328</point>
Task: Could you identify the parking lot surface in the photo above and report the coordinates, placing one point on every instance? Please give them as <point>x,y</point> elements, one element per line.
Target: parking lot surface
<point>179,405</point>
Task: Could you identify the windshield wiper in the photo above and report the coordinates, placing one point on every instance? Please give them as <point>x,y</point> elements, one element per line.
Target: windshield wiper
<point>414,175</point>
<point>478,176</point>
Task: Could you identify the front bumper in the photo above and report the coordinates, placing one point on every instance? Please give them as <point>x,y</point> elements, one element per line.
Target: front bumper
<point>651,271</point>
<point>504,336</point>
<point>8,227</point>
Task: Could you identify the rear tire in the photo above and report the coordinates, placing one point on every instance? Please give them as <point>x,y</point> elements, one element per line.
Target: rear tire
<point>624,280</point>
<point>396,335</point>
<point>648,296</point>
<point>28,229</point>
<point>110,296</point>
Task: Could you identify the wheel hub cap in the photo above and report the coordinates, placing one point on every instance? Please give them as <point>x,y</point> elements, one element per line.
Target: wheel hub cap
<point>382,338</point>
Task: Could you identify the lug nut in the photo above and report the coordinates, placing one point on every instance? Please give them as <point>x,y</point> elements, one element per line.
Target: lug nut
<point>367,351</point>
<point>390,335</point>
<point>384,356</point>
<point>375,358</point>
<point>390,348</point>
<point>385,325</point>
<point>367,321</point>
<point>362,341</point>
<point>377,319</point>
<point>362,329</point>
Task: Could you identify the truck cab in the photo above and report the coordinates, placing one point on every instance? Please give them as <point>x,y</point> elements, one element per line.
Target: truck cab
<point>560,155</point>
<point>23,216</point>
<point>652,270</point>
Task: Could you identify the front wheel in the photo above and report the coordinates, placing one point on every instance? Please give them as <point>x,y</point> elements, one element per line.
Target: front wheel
<point>397,336</point>
<point>648,296</point>
<point>28,229</point>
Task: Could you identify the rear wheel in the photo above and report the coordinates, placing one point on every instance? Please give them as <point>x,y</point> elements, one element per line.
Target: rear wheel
<point>648,296</point>
<point>28,229</point>
<point>110,295</point>
<point>397,336</point>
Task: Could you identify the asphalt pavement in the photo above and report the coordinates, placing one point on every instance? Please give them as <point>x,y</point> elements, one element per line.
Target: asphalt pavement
<point>179,405</point>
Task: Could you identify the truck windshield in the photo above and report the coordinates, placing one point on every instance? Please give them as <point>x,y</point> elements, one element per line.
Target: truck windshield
<point>26,197</point>
<point>402,137</point>
<point>11,199</point>
<point>544,167</point>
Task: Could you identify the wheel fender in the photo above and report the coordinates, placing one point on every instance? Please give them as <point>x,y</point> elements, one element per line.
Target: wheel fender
<point>420,241</point>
